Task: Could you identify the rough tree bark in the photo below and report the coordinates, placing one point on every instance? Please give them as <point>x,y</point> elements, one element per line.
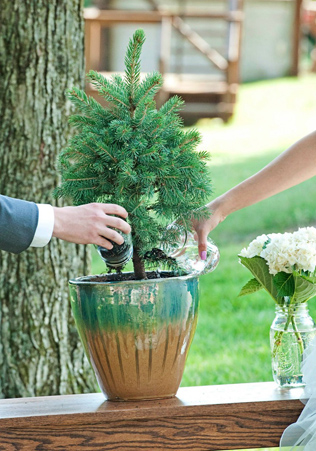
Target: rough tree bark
<point>41,56</point>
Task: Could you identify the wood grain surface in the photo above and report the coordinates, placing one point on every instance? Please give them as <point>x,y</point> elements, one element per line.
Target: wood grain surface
<point>219,417</point>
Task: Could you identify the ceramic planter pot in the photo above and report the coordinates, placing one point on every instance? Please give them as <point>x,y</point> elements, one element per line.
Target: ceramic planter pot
<point>136,334</point>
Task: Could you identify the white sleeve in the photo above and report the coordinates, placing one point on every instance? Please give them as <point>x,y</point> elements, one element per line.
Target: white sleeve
<point>45,225</point>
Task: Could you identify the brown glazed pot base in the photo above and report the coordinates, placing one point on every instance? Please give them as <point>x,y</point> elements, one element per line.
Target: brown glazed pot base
<point>136,333</point>
<point>146,366</point>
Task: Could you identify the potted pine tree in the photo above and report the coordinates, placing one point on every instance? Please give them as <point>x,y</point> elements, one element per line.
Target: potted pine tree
<point>136,327</point>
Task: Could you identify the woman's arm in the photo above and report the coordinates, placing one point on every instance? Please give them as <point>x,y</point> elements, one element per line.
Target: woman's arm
<point>293,166</point>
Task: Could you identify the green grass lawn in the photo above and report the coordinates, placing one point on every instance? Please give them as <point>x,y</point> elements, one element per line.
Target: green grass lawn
<point>231,344</point>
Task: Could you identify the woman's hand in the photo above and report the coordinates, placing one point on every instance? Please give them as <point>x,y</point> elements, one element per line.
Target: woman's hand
<point>205,226</point>
<point>91,224</point>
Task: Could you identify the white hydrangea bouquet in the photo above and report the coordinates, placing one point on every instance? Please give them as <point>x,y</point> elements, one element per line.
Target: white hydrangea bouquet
<point>284,264</point>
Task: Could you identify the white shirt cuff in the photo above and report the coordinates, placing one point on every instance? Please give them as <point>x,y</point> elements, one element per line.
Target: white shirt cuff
<point>45,225</point>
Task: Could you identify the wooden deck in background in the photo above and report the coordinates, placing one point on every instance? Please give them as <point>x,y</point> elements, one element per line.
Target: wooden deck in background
<point>209,418</point>
<point>204,95</point>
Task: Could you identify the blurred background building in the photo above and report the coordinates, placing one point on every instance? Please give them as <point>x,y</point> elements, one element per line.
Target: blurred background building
<point>203,48</point>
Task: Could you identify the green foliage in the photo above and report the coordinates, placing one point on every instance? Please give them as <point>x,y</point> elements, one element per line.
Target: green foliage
<point>294,285</point>
<point>303,289</point>
<point>260,270</point>
<point>134,155</point>
<point>250,287</point>
<point>285,284</point>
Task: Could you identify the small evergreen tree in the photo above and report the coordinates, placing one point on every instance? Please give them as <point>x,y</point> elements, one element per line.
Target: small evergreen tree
<point>134,155</point>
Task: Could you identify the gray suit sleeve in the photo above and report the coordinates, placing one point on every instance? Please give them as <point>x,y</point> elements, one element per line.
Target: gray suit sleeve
<point>18,222</point>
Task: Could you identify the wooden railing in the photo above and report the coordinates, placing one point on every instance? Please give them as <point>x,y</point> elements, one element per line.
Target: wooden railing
<point>239,416</point>
<point>96,19</point>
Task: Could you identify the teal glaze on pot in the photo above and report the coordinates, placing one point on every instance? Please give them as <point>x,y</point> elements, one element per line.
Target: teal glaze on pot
<point>136,334</point>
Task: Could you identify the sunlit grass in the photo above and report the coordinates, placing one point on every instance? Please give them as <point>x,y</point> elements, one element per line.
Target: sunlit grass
<point>269,116</point>
<point>231,343</point>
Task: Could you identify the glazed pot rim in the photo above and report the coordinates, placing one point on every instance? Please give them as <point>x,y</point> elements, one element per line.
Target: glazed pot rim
<point>85,280</point>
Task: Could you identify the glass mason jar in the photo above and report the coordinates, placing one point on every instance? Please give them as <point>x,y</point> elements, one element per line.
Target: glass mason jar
<point>291,332</point>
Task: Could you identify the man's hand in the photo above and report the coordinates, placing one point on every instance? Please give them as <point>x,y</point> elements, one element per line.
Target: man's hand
<point>91,224</point>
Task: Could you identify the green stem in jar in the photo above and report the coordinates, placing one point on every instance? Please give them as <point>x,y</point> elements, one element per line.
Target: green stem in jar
<point>278,335</point>
<point>298,335</point>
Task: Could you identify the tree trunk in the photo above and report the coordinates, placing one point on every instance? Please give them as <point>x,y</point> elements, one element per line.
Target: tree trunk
<point>138,264</point>
<point>41,56</point>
